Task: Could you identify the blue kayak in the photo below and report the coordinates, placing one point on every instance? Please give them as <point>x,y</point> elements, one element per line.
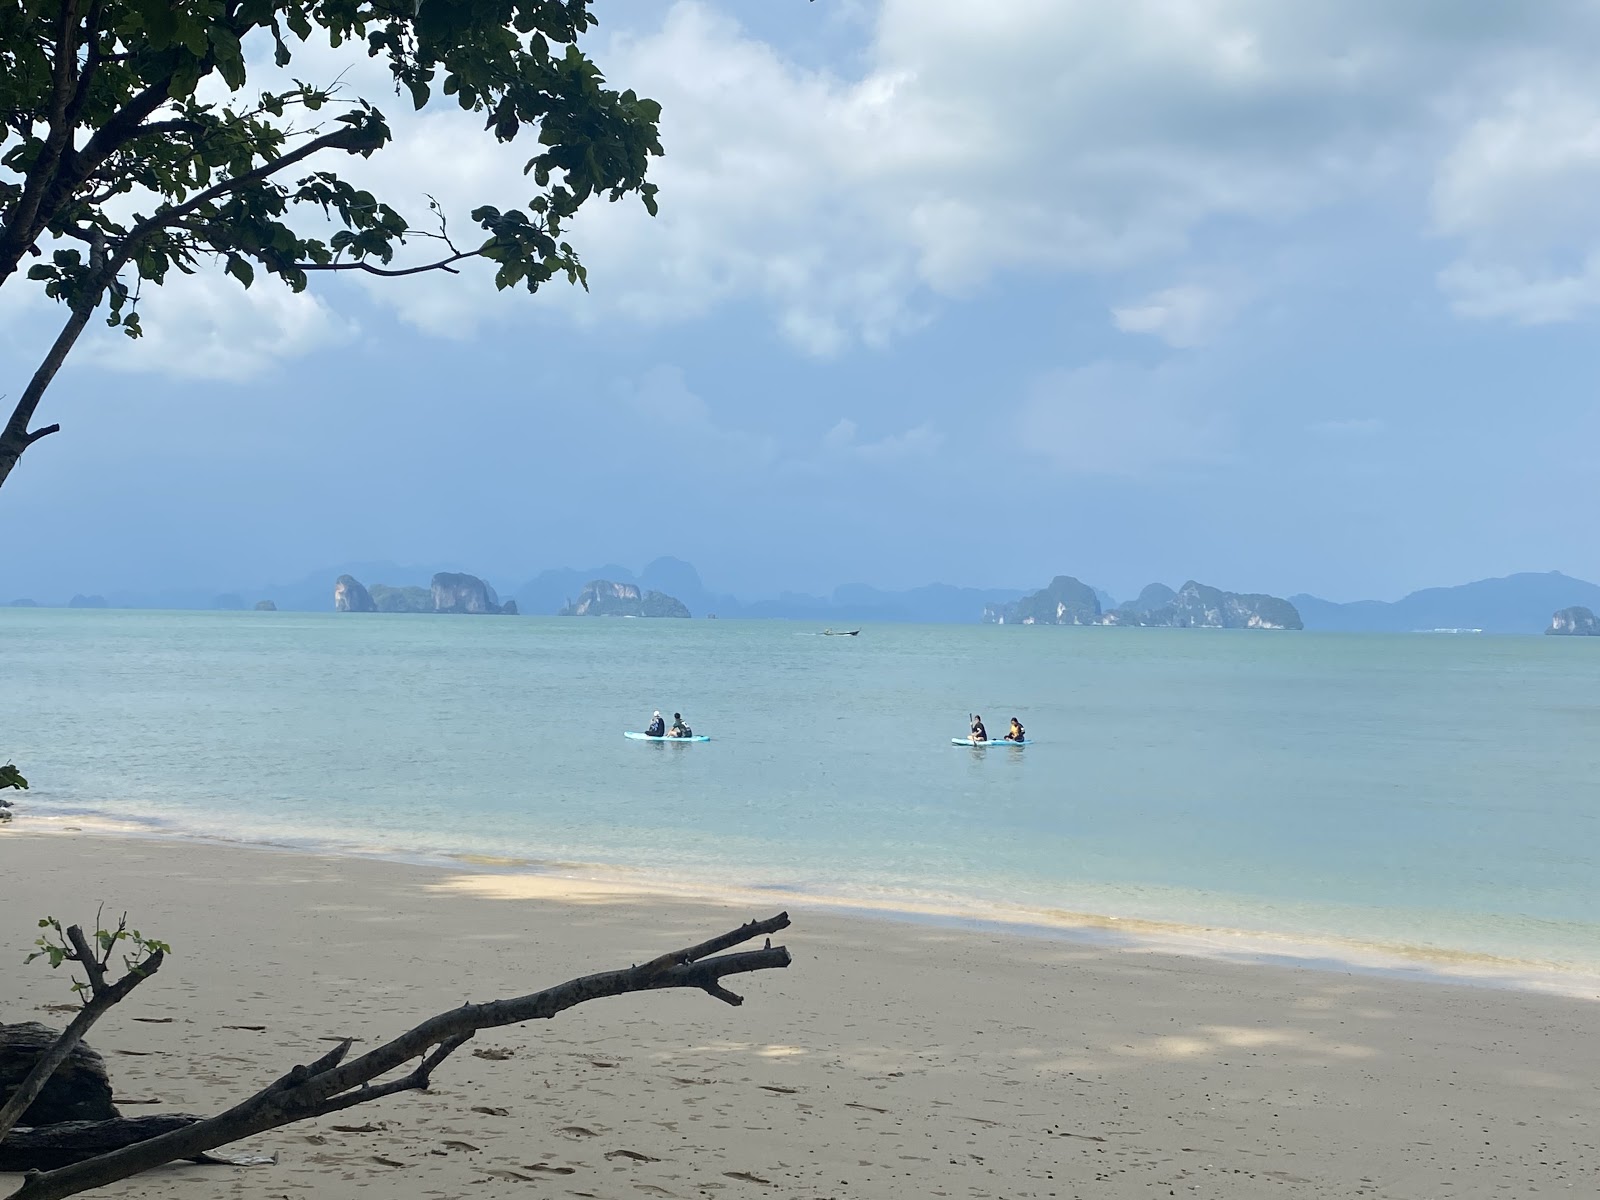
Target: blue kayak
<point>645,737</point>
<point>966,741</point>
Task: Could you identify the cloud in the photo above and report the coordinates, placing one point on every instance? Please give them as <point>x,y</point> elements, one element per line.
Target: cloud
<point>660,406</point>
<point>201,326</point>
<point>1183,316</point>
<point>1046,139</point>
<point>1113,419</point>
<point>1517,190</point>
<point>966,146</point>
<point>917,443</point>
<point>1049,139</point>
<point>206,326</point>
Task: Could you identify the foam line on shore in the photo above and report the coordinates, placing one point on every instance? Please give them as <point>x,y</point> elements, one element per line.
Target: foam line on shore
<point>521,878</point>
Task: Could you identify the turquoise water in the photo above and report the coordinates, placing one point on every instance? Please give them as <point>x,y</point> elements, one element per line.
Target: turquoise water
<point>1436,792</point>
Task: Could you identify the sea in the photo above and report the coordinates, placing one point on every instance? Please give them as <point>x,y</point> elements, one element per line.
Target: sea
<point>1423,803</point>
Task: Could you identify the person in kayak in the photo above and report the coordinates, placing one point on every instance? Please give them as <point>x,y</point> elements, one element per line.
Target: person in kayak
<point>657,726</point>
<point>1016,733</point>
<point>979,733</point>
<point>679,729</point>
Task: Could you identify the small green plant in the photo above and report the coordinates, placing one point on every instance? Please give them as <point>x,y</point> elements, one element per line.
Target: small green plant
<point>10,777</point>
<point>57,945</point>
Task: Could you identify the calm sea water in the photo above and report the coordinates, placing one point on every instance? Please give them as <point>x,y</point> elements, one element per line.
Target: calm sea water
<point>1436,792</point>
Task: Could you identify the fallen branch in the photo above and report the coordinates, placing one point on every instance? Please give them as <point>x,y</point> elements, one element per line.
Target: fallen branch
<point>331,1084</point>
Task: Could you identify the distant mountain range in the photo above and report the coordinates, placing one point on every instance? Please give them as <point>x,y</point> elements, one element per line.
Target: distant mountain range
<point>1522,603</point>
<point>1513,604</point>
<point>551,591</point>
<point>1069,601</point>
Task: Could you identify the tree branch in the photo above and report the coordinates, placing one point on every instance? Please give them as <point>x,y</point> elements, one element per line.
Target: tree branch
<point>349,138</point>
<point>102,997</point>
<point>87,958</point>
<point>393,272</point>
<point>331,1083</point>
<point>18,230</point>
<point>14,437</point>
<point>29,439</point>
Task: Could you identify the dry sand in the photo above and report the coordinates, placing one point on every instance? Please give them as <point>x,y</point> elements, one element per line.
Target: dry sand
<point>893,1059</point>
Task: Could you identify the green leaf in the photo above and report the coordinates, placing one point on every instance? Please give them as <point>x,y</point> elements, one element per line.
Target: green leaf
<point>241,270</point>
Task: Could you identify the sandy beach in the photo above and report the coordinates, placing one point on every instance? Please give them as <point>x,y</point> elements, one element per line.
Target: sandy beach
<point>893,1059</point>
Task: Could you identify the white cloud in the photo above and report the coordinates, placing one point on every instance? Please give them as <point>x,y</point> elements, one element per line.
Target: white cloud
<point>1040,138</point>
<point>1114,419</point>
<point>1184,316</point>
<point>972,143</point>
<point>1051,137</point>
<point>202,326</point>
<point>1518,191</point>
<point>207,327</point>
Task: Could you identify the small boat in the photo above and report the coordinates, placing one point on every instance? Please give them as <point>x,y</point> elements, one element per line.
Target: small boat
<point>966,741</point>
<point>645,737</point>
<point>841,633</point>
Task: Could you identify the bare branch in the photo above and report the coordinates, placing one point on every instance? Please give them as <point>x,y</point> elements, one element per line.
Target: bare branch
<point>86,957</point>
<point>332,1083</point>
<point>393,272</point>
<point>30,438</point>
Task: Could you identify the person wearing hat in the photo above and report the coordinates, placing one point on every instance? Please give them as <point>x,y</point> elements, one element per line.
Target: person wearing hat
<point>679,729</point>
<point>657,727</point>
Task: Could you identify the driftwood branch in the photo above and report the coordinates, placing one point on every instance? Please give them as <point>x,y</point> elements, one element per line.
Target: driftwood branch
<point>335,1081</point>
<point>102,996</point>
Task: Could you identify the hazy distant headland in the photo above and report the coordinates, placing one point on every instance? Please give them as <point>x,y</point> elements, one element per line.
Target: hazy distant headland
<point>1514,604</point>
<point>605,598</point>
<point>1519,603</point>
<point>1576,621</point>
<point>1069,601</point>
<point>449,592</point>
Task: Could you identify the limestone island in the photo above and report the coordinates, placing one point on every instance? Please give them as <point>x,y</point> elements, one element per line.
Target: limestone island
<point>450,592</point>
<point>1070,601</point>
<point>603,598</point>
<point>1574,622</point>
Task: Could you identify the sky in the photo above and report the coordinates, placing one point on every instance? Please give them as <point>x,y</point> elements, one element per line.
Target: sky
<point>1284,298</point>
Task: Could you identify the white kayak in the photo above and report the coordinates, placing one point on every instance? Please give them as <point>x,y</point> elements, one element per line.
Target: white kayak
<point>645,737</point>
<point>966,741</point>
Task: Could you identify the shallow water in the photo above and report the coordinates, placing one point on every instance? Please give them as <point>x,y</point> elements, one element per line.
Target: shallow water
<point>1433,792</point>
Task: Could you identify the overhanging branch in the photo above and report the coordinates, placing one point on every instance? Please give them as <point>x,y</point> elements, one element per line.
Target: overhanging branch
<point>444,264</point>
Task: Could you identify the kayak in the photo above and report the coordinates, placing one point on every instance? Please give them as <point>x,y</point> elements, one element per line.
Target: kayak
<point>645,737</point>
<point>966,741</point>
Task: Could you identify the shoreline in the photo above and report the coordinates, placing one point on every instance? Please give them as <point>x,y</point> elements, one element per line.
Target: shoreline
<point>555,879</point>
<point>890,1061</point>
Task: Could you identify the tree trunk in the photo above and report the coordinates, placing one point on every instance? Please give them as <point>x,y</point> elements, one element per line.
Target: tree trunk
<point>78,1090</point>
<point>46,1147</point>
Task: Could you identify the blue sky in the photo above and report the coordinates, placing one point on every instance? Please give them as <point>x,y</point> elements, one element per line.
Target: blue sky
<point>1281,297</point>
